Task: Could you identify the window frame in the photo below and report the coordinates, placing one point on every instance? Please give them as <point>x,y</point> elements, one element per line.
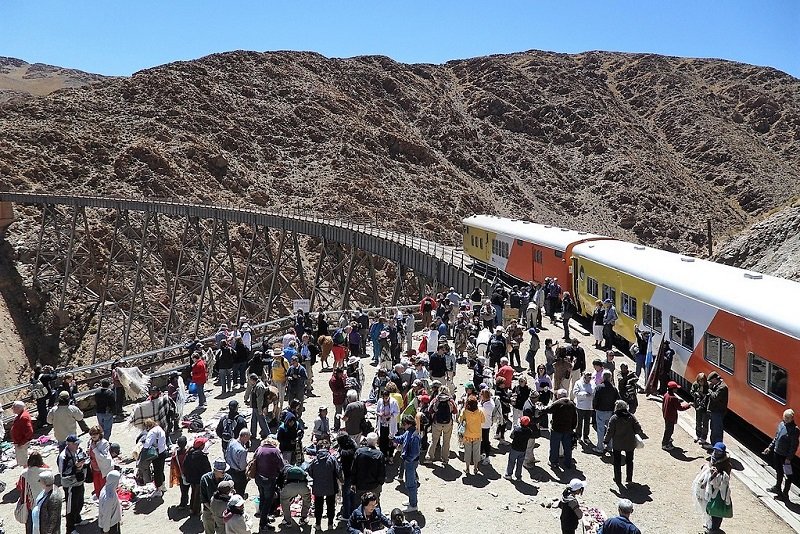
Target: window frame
<point>768,374</point>
<point>624,296</point>
<point>651,325</point>
<point>613,289</point>
<point>589,282</point>
<point>718,361</point>
<point>682,332</point>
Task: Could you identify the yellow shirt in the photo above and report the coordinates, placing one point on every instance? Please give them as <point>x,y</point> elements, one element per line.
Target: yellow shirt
<point>474,421</point>
<point>399,398</point>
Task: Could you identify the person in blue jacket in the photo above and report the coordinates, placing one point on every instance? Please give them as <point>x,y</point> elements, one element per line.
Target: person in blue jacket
<point>410,442</point>
<point>622,523</point>
<point>367,517</point>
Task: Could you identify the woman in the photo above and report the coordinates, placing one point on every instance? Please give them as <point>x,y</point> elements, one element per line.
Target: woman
<point>99,458</point>
<point>386,412</point>
<point>623,427</point>
<point>157,439</point>
<point>234,518</point>
<point>700,400</point>
<point>422,420</point>
<point>503,396</point>
<point>549,356</point>
<point>199,377</point>
<point>519,395</point>
<point>176,473</point>
<point>487,313</point>
<point>367,517</point>
<point>597,323</point>
<point>326,474</point>
<point>712,492</point>
<point>568,311</point>
<point>783,448</point>
<point>46,513</point>
<point>322,326</point>
<point>487,406</point>
<point>533,348</point>
<point>28,485</point>
<point>401,526</point>
<point>544,387</point>
<point>391,387</point>
<point>473,420</point>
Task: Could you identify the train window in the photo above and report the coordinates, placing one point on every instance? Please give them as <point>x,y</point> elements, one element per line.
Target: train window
<point>720,352</point>
<point>537,257</point>
<point>767,377</point>
<point>629,306</point>
<point>559,254</point>
<point>591,286</point>
<point>652,317</point>
<point>610,293</point>
<point>681,332</point>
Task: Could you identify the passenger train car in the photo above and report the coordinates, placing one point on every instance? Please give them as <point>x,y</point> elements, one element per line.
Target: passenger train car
<point>739,323</point>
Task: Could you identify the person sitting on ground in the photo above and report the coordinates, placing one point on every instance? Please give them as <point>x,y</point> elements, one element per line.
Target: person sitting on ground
<point>400,525</point>
<point>367,518</point>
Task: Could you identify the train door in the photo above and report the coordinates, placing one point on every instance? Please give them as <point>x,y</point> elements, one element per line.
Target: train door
<point>575,286</point>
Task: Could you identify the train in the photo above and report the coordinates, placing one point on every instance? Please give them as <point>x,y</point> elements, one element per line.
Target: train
<point>740,323</point>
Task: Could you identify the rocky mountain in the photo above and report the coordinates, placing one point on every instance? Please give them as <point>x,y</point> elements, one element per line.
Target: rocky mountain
<point>641,147</point>
<point>19,79</point>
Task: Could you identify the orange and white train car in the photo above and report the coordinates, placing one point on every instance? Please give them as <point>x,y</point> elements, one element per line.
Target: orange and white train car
<point>739,323</point>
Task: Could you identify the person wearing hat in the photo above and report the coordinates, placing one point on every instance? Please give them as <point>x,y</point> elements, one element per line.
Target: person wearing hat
<point>234,518</point>
<point>322,426</point>
<point>520,435</point>
<point>64,417</point>
<point>712,489</point>
<point>214,522</point>
<point>209,484</point>
<point>717,405</point>
<point>71,462</point>
<point>46,510</point>
<point>194,466</point>
<point>609,320</point>
<point>571,512</point>
<point>670,408</point>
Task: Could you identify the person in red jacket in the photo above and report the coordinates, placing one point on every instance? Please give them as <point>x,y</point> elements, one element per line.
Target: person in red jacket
<point>338,385</point>
<point>199,377</point>
<point>672,405</point>
<point>21,432</point>
<point>426,307</point>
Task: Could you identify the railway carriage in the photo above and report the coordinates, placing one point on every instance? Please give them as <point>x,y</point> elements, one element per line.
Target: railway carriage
<point>716,317</point>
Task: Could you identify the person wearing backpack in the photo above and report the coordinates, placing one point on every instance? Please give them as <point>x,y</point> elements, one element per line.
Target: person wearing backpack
<point>295,484</point>
<point>497,347</point>
<point>229,426</point>
<point>442,411</point>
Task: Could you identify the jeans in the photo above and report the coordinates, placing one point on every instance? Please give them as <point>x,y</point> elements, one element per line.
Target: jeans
<point>701,424</point>
<point>239,481</point>
<point>561,439</point>
<point>602,418</point>
<point>618,466</point>
<point>584,422</point>
<point>410,468</point>
<point>106,421</point>
<point>515,459</point>
<point>498,314</point>
<point>201,394</point>
<point>348,498</point>
<point>329,501</point>
<point>225,380</point>
<point>258,419</point>
<point>717,430</point>
<point>266,496</point>
<point>239,372</point>
<point>608,336</point>
<point>565,319</point>
<point>777,463</point>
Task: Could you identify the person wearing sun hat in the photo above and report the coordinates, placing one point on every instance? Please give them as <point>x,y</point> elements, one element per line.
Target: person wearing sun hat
<point>571,512</point>
<point>234,518</point>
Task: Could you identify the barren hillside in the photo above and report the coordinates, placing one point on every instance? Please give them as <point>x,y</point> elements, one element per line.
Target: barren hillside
<point>21,79</point>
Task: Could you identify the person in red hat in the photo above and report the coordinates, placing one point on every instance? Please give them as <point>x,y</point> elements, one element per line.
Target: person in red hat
<point>519,444</point>
<point>672,405</point>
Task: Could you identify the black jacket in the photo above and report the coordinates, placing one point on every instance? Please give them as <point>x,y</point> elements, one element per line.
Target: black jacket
<point>604,397</point>
<point>369,469</point>
<point>104,400</point>
<point>195,465</point>
<point>578,358</point>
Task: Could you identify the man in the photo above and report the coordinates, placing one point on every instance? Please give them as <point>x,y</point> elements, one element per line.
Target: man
<point>670,408</point>
<point>64,417</point>
<point>553,299</point>
<point>231,424</point>
<point>622,523</point>
<point>409,325</point>
<point>783,448</point>
<point>605,395</point>
<point>355,413</point>
<point>362,319</point>
<point>498,300</point>
<point>497,346</point>
<point>539,299</point>
<point>105,402</point>
<point>577,356</point>
<point>369,468</point>
<point>21,432</point>
<point>258,415</point>
<point>308,355</point>
<point>717,405</point>
<point>236,458</point>
<point>337,383</point>
<point>410,443</point>
<point>296,378</point>
<point>214,522</point>
<point>426,307</point>
<point>666,369</point>
<point>221,335</point>
<point>269,465</point>
<point>209,483</point>
<point>583,394</point>
<point>279,368</point>
<point>505,371</point>
<point>627,387</point>
<point>70,463</point>
<point>609,320</point>
<point>442,411</point>
<point>295,484</point>
<point>438,364</point>
<point>565,418</point>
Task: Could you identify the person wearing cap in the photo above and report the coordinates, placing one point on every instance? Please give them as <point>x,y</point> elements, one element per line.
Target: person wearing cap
<point>46,510</point>
<point>782,449</point>
<point>21,432</point>
<point>213,521</point>
<point>194,467</point>
<point>520,435</point>
<point>71,462</point>
<point>229,426</point>
<point>712,491</point>
<point>236,458</point>
<point>209,484</point>
<point>670,408</point>
<point>609,320</point>
<point>234,517</point>
<point>571,512</point>
<point>322,426</point>
<point>717,405</point>
<point>620,524</point>
<point>64,417</point>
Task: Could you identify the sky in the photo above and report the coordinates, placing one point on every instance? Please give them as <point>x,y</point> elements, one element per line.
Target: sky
<point>119,38</point>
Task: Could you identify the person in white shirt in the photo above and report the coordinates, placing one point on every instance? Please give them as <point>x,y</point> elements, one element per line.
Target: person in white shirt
<point>157,439</point>
<point>583,391</point>
<point>433,339</point>
<point>487,405</point>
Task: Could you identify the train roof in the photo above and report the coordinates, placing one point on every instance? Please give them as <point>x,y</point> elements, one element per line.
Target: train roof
<point>545,235</point>
<point>763,299</point>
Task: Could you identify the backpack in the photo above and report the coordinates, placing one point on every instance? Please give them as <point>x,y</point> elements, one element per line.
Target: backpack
<point>294,473</point>
<point>442,413</point>
<point>426,305</point>
<point>228,426</point>
<point>338,337</point>
<point>497,345</point>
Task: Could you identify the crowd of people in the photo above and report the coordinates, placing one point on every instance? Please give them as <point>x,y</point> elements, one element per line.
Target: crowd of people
<point>408,414</point>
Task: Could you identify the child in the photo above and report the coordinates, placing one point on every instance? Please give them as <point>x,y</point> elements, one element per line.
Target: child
<point>176,471</point>
<point>519,443</point>
<point>571,512</point>
<point>110,511</point>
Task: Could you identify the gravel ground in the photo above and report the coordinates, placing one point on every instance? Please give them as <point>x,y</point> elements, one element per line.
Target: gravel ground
<point>451,503</point>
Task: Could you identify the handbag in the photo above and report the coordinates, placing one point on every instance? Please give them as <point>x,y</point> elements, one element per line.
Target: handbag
<point>717,507</point>
<point>148,454</point>
<point>639,442</point>
<point>38,391</point>
<point>251,471</point>
<point>21,510</point>
<point>461,430</point>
